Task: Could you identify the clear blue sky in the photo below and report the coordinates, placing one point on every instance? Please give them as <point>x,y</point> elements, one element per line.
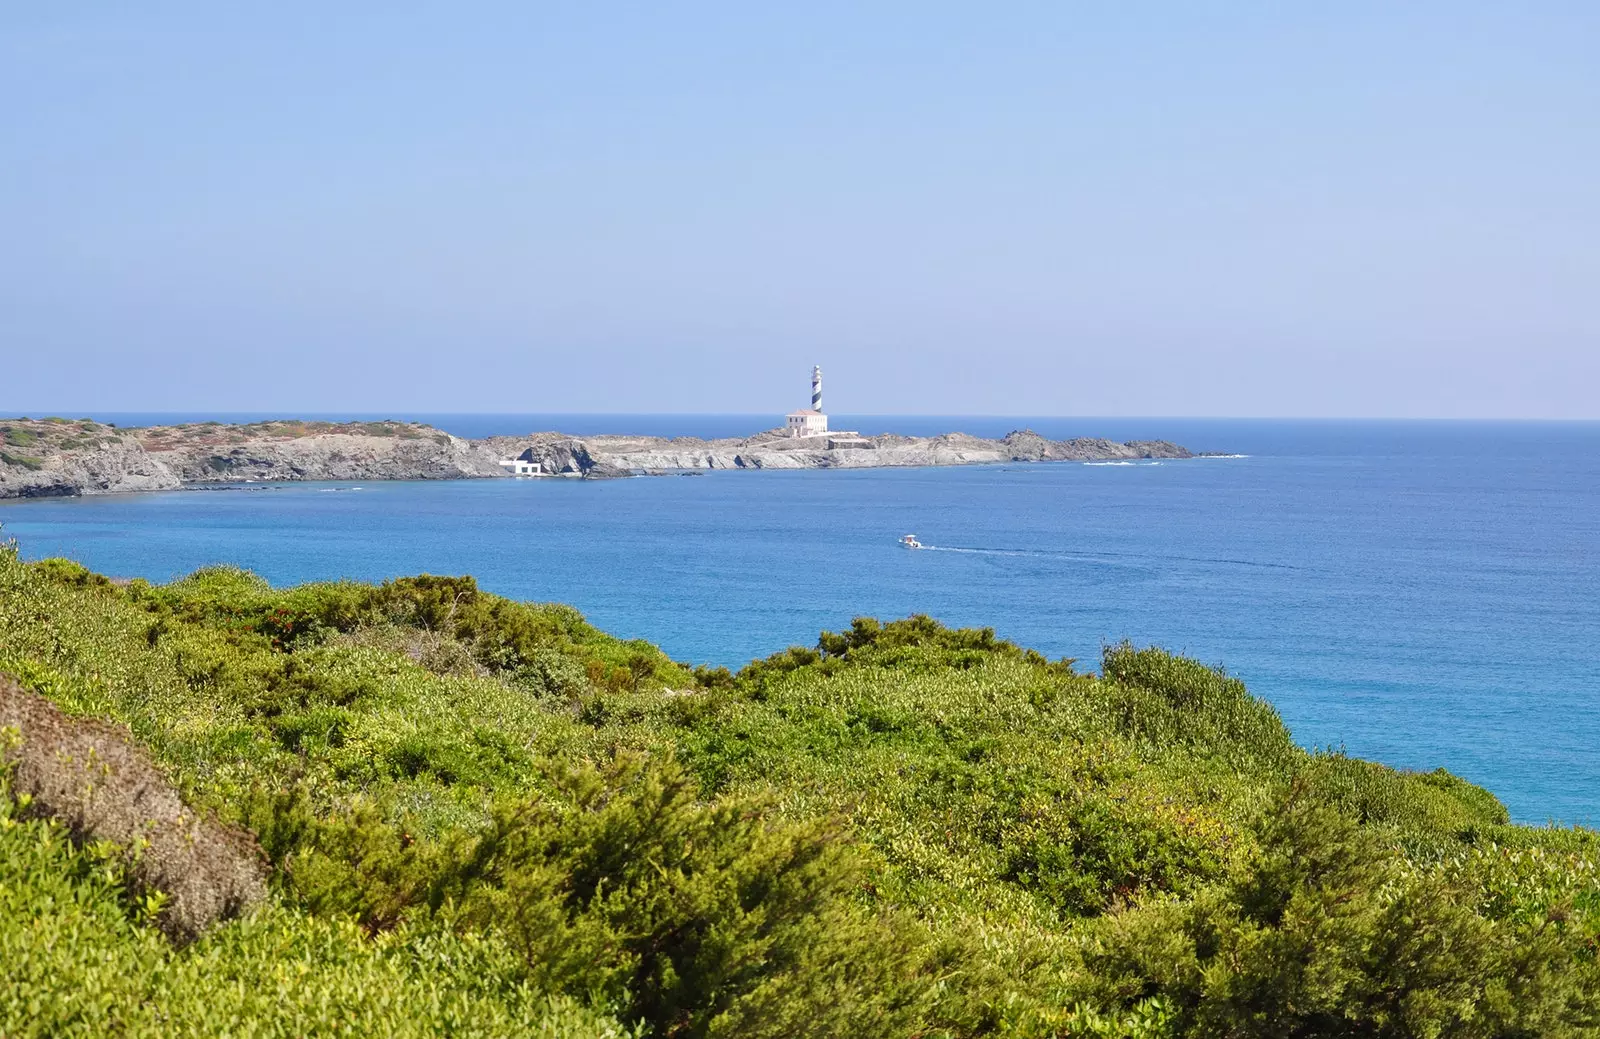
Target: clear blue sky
<point>1231,208</point>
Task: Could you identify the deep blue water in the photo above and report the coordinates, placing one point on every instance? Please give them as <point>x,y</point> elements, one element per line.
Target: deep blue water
<point>1424,594</point>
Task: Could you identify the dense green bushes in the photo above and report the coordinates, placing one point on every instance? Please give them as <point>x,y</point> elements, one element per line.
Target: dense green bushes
<point>498,635</point>
<point>1171,701</point>
<point>1324,932</point>
<point>497,814</point>
<point>702,919</point>
<point>81,961</point>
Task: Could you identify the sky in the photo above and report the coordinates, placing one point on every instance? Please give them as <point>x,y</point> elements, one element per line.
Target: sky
<point>1232,208</point>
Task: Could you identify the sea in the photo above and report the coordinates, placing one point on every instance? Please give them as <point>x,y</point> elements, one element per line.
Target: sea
<point>1424,594</point>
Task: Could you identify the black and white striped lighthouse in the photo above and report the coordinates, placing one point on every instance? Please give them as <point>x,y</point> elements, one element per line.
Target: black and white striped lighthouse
<point>809,422</point>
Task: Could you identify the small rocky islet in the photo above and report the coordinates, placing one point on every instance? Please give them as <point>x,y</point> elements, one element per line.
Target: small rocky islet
<point>64,457</point>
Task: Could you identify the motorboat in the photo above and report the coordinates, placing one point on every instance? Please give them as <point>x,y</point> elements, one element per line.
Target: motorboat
<point>909,541</point>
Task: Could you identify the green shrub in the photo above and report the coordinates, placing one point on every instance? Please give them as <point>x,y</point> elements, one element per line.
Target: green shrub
<point>496,813</point>
<point>74,575</point>
<point>1434,802</point>
<point>83,959</point>
<point>552,673</point>
<point>1170,700</point>
<point>1325,933</point>
<point>1087,854</point>
<point>698,920</point>
<point>1473,798</point>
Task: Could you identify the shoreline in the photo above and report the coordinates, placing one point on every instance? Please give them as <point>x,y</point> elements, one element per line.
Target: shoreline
<point>57,458</point>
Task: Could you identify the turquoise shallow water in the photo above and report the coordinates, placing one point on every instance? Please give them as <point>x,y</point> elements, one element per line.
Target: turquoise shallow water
<point>1424,594</point>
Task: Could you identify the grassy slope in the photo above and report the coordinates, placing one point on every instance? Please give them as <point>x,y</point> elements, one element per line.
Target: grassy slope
<point>489,817</point>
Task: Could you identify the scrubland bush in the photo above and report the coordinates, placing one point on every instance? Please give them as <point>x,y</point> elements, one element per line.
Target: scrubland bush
<point>67,572</point>
<point>82,959</point>
<point>486,817</point>
<point>1172,701</point>
<point>1325,932</point>
<point>697,919</point>
<point>22,461</point>
<point>87,775</point>
<point>19,436</point>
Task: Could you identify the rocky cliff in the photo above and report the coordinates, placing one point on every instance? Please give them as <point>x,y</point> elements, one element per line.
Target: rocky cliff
<point>53,457</point>
<point>612,455</point>
<point>44,458</point>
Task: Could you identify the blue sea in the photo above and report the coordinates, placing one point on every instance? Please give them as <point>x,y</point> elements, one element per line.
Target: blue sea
<point>1421,593</point>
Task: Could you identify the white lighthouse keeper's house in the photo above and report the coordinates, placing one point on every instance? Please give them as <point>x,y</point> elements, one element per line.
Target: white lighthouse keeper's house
<point>809,422</point>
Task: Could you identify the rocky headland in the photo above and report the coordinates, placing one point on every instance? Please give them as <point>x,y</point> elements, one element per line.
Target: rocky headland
<point>623,455</point>
<point>62,457</point>
<point>53,457</point>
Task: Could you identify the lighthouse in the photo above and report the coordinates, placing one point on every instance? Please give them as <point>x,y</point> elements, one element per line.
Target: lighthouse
<point>809,422</point>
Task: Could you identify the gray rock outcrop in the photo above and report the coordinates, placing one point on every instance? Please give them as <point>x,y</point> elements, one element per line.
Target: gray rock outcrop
<point>775,450</point>
<point>54,457</point>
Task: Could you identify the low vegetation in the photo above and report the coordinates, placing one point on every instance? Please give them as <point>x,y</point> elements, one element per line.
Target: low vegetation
<point>166,438</point>
<point>30,443</point>
<point>485,817</point>
<point>85,774</point>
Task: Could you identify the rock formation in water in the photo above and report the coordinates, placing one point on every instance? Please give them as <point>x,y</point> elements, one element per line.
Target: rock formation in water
<point>615,455</point>
<point>55,457</point>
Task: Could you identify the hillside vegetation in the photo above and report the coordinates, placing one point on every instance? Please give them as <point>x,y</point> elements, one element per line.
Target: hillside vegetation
<point>484,817</point>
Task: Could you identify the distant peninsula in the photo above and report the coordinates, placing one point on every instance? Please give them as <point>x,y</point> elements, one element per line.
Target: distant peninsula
<point>56,457</point>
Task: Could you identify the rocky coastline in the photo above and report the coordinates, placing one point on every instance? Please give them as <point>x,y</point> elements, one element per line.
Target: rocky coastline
<point>62,457</point>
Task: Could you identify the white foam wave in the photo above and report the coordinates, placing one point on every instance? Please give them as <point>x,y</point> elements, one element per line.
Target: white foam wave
<point>1071,557</point>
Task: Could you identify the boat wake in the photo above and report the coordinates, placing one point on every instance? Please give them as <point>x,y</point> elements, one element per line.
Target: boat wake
<point>1116,560</point>
<point>1035,553</point>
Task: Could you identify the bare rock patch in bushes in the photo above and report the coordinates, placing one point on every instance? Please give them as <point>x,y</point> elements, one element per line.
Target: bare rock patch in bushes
<point>91,777</point>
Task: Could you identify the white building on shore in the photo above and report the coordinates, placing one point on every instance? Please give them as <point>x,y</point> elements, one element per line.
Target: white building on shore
<point>520,467</point>
<point>809,422</point>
